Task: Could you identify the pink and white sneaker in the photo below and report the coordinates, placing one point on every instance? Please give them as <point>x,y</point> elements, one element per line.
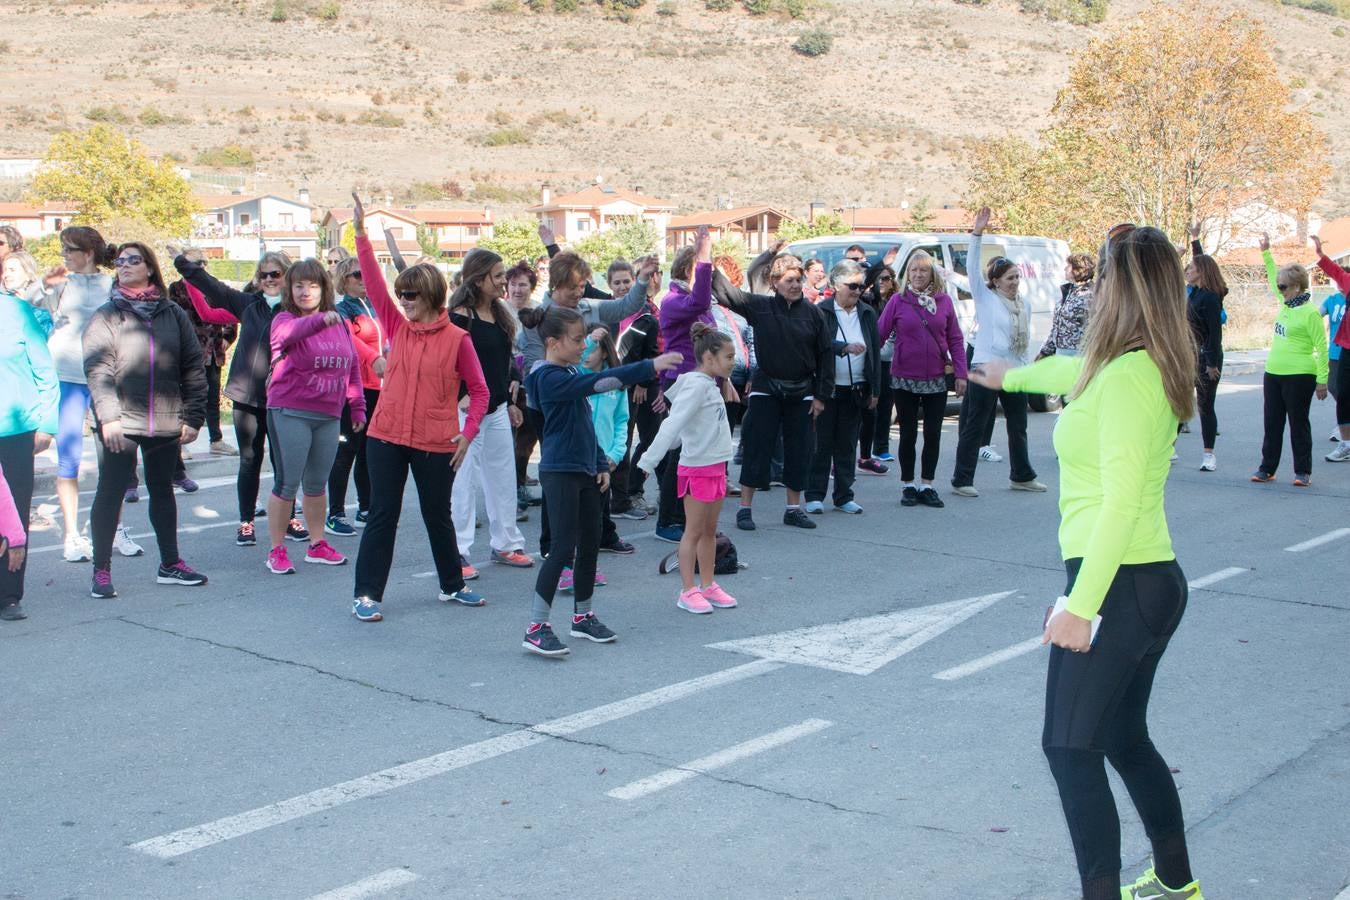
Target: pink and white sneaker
<point>719,598</point>
<point>323,554</point>
<point>278,562</point>
<point>693,601</point>
<point>565,581</point>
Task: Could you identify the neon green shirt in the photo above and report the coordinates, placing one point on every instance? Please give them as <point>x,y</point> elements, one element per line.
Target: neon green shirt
<point>1114,444</point>
<point>1299,346</point>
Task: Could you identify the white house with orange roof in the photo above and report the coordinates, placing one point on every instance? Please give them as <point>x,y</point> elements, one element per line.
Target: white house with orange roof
<point>457,231</point>
<point>37,221</point>
<point>575,217</point>
<point>755,225</point>
<point>231,225</point>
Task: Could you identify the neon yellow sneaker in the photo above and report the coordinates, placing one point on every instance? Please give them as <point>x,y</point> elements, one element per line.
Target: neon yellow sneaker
<point>1149,887</point>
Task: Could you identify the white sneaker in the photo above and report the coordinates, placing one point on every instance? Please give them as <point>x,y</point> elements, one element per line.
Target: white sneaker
<point>1033,486</point>
<point>966,490</point>
<point>78,549</point>
<point>1336,435</point>
<point>124,545</point>
<point>1208,463</point>
<point>1341,453</point>
<point>1175,457</point>
<point>989,454</point>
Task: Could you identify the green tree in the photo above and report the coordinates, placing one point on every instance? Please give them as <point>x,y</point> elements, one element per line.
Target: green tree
<point>920,215</point>
<point>730,245</point>
<point>426,239</point>
<point>825,224</point>
<point>637,236</point>
<point>106,176</point>
<point>348,241</point>
<point>514,240</point>
<point>601,249</point>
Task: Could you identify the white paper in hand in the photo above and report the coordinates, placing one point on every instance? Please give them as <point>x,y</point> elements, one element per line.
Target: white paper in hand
<point>1062,605</point>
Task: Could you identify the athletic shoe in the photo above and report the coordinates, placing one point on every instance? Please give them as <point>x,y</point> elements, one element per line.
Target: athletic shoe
<point>464,597</point>
<point>1175,456</point>
<point>745,520</point>
<point>851,507</point>
<point>620,546</point>
<point>929,497</point>
<point>540,639</point>
<point>1340,454</point>
<point>522,513</point>
<point>814,507</point>
<point>279,562</point>
<point>719,598</point>
<point>872,467</point>
<point>179,573</point>
<point>635,513</point>
<point>965,490</point>
<point>1208,463</point>
<point>1304,480</point>
<point>1033,485</point>
<point>361,518</point>
<point>566,582</point>
<point>1150,887</point>
<point>260,512</point>
<point>124,545</point>
<point>649,507</point>
<point>1262,477</point>
<point>131,496</point>
<point>600,579</point>
<point>1185,428</point>
<point>592,629</point>
<point>693,601</point>
<point>797,519</point>
<point>671,534</point>
<point>909,496</point>
<point>220,448</point>
<point>323,554</point>
<point>78,549</point>
<point>339,526</point>
<point>296,532</point>
<point>102,588</point>
<point>531,482</point>
<point>1336,435</point>
<point>885,456</point>
<point>12,612</point>
<point>776,481</point>
<point>466,569</point>
<point>516,559</point>
<point>245,537</point>
<point>366,610</point>
<point>186,485</point>
<point>989,454</point>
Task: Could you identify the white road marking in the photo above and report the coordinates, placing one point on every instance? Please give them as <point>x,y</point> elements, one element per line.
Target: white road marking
<point>378,883</point>
<point>1030,645</point>
<point>861,646</point>
<point>1319,541</point>
<point>1215,577</point>
<point>189,839</point>
<point>1345,894</point>
<point>670,777</point>
<point>1230,388</point>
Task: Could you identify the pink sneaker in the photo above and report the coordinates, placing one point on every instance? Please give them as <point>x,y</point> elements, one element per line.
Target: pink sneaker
<point>566,582</point>
<point>323,554</point>
<point>693,601</point>
<point>279,563</point>
<point>719,598</point>
<point>600,580</point>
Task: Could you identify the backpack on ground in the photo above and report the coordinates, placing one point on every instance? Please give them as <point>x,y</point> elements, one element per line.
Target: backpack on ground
<point>725,562</point>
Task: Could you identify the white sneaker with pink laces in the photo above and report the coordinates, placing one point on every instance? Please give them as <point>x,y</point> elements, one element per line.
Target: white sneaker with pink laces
<point>719,598</point>
<point>323,554</point>
<point>693,601</point>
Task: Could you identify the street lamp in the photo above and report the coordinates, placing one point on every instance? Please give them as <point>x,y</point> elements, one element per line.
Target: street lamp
<point>811,219</point>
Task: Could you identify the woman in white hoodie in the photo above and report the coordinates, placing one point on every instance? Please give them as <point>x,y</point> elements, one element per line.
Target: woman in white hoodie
<point>698,423</point>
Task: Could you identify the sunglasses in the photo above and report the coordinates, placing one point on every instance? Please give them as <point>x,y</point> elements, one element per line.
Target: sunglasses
<point>885,278</point>
<point>1283,287</point>
<point>408,295</point>
<point>4,243</point>
<point>356,275</point>
<point>853,285</point>
<point>265,276</point>
<point>124,261</point>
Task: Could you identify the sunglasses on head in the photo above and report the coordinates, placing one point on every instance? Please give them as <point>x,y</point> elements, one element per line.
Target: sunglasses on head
<point>408,295</point>
<point>133,260</point>
<point>264,276</point>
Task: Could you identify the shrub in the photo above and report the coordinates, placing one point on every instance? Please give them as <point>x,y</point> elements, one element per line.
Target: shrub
<point>107,114</point>
<point>227,156</point>
<point>1327,7</point>
<point>504,137</point>
<point>329,11</point>
<point>278,11</point>
<point>816,42</point>
<point>758,7</point>
<point>796,9</point>
<point>150,117</point>
<point>378,119</point>
<point>504,7</point>
<point>667,8</point>
<point>566,6</point>
<point>1080,12</point>
<point>718,5</point>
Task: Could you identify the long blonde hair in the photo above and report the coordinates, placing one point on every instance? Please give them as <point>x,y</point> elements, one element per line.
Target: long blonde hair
<point>936,284</point>
<point>1141,301</point>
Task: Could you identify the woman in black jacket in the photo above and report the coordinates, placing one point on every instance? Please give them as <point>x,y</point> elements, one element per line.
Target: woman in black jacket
<point>147,387</point>
<point>246,385</point>
<point>1205,290</point>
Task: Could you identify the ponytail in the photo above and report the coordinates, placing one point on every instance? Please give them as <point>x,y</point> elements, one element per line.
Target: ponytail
<point>707,339</point>
<point>550,321</point>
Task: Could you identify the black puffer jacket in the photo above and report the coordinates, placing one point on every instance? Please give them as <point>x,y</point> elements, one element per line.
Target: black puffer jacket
<point>247,381</point>
<point>145,373</point>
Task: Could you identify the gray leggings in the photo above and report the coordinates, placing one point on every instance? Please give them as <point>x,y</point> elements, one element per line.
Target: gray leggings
<point>304,449</point>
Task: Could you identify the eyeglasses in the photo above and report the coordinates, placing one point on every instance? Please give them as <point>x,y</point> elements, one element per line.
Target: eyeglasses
<point>65,249</point>
<point>1283,287</point>
<point>356,275</point>
<point>885,278</point>
<point>270,275</point>
<point>408,295</point>
<point>124,261</point>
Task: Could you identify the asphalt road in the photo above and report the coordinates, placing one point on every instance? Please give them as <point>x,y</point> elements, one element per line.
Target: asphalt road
<point>251,739</point>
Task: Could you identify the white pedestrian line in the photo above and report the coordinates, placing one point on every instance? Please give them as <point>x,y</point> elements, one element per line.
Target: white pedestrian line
<point>1030,645</point>
<point>1319,541</point>
<point>197,837</point>
<point>1215,577</point>
<point>861,646</point>
<point>1345,894</point>
<point>1228,388</point>
<point>376,884</point>
<point>722,758</point>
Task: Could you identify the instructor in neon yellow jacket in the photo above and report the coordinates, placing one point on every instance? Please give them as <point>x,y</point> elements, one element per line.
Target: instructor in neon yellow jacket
<point>1296,369</point>
<point>1134,382</point>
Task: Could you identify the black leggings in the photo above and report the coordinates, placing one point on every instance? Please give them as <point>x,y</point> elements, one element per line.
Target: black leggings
<point>16,458</point>
<point>114,473</point>
<point>573,503</point>
<point>1205,390</point>
<point>911,407</point>
<point>213,403</point>
<point>1288,398</point>
<point>250,432</point>
<point>351,460</point>
<point>1096,709</point>
<point>1343,392</point>
<point>874,433</point>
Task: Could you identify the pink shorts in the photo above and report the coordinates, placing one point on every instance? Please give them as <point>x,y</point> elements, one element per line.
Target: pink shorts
<point>707,484</point>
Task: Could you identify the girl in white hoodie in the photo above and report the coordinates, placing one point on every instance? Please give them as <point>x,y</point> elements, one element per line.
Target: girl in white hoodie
<point>698,423</point>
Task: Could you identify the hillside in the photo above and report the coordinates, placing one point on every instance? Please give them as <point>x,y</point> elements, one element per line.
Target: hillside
<point>451,100</point>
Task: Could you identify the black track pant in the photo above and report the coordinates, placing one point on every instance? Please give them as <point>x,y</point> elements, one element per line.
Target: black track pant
<point>351,460</point>
<point>977,421</point>
<point>874,434</point>
<point>764,419</point>
<point>160,454</point>
<point>1288,398</point>
<point>573,501</point>
<point>1206,389</point>
<point>836,447</point>
<point>213,404</point>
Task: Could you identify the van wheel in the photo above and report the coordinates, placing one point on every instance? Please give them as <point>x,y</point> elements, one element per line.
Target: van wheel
<point>1043,402</point>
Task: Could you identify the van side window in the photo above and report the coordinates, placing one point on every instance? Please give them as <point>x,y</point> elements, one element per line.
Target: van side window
<point>932,250</point>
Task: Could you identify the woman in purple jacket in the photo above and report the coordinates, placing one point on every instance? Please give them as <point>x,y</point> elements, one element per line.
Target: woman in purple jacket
<point>927,340</point>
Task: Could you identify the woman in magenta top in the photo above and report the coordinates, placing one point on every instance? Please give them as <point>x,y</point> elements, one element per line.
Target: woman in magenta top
<point>315,371</point>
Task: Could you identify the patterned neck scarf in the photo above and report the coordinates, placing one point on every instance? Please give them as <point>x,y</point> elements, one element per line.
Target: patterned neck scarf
<point>1020,327</point>
<point>1298,301</point>
<point>925,300</point>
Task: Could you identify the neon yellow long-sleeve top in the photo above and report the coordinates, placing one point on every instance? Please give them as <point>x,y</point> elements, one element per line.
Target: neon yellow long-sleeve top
<point>1114,443</point>
<point>1299,345</point>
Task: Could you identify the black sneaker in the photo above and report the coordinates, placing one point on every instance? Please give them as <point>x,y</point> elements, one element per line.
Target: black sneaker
<point>102,588</point>
<point>296,532</point>
<point>620,546</point>
<point>744,520</point>
<point>245,537</point>
<point>592,629</point>
<point>929,497</point>
<point>179,573</point>
<point>909,497</point>
<point>540,639</point>
<point>797,518</point>
<point>12,612</point>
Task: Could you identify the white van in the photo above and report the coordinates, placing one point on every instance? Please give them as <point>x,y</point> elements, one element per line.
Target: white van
<point>1042,261</point>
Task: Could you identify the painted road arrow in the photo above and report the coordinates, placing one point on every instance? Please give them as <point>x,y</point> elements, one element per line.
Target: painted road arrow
<point>861,646</point>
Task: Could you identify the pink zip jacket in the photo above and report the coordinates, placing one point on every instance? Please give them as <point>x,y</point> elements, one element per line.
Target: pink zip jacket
<point>314,367</point>
<point>11,526</point>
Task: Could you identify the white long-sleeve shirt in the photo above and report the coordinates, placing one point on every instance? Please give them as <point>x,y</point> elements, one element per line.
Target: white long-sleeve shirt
<point>993,338</point>
<point>697,423</point>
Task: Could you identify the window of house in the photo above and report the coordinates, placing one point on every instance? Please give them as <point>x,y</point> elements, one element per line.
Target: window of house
<point>244,219</point>
<point>473,231</point>
<point>287,220</point>
<point>583,224</point>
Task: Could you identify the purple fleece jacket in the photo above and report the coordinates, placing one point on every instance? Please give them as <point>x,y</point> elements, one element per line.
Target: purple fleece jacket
<point>919,351</point>
<point>680,309</point>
